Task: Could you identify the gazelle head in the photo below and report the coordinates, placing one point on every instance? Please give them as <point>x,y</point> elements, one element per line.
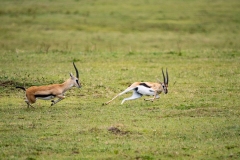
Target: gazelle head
<point>165,82</point>
<point>76,81</point>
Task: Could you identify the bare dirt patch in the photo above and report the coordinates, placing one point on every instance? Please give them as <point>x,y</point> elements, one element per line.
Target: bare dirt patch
<point>7,83</point>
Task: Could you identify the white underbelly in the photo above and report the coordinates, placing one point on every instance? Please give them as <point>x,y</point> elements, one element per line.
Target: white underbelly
<point>145,90</point>
<point>46,98</point>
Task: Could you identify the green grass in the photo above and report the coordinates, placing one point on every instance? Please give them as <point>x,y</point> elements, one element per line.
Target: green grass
<point>118,26</point>
<point>114,44</point>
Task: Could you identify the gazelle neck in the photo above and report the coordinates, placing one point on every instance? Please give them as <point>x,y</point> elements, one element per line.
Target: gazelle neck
<point>67,84</point>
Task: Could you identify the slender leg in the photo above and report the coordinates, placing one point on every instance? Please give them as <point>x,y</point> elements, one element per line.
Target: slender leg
<point>54,102</point>
<point>125,91</point>
<point>60,97</point>
<point>30,99</point>
<point>156,96</point>
<point>28,104</point>
<point>135,95</point>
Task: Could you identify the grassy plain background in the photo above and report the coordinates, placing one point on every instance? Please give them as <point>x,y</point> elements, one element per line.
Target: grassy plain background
<point>113,44</point>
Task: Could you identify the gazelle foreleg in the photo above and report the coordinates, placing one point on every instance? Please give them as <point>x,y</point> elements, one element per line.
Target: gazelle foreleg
<point>60,97</point>
<point>125,91</point>
<point>156,96</point>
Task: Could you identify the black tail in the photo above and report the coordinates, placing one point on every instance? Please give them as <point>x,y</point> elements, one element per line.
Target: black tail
<point>21,88</point>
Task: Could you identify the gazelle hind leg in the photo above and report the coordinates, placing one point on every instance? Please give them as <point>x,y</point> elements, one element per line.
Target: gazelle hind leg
<point>135,95</point>
<point>30,99</point>
<point>125,91</point>
<point>28,104</point>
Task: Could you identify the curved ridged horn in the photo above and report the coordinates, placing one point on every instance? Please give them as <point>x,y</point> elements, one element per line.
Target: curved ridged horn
<point>164,79</point>
<point>77,75</point>
<point>167,76</point>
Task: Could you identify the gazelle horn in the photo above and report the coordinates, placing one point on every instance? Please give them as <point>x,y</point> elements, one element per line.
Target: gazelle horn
<point>77,75</point>
<point>167,76</point>
<point>164,79</point>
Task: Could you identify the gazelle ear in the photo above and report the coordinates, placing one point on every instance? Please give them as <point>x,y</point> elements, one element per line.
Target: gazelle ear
<point>71,75</point>
<point>159,81</point>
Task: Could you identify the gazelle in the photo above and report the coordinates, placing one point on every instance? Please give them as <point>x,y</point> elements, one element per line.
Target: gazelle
<point>145,88</point>
<point>51,91</point>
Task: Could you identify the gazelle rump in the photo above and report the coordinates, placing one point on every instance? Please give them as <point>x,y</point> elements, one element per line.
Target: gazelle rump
<point>145,88</point>
<point>49,92</point>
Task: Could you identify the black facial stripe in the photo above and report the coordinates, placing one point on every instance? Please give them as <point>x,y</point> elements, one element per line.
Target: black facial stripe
<point>78,82</point>
<point>145,85</point>
<point>44,95</point>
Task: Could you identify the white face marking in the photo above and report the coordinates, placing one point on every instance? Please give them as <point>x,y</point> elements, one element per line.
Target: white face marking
<point>145,90</point>
<point>165,88</point>
<point>77,83</point>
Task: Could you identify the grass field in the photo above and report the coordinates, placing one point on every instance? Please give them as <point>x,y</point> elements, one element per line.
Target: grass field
<point>114,44</point>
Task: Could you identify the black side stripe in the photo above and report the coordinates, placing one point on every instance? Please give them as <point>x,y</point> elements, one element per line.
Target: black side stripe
<point>44,95</point>
<point>145,85</point>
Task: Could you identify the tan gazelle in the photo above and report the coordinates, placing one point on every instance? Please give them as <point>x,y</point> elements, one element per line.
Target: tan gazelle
<point>52,91</point>
<point>145,88</point>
